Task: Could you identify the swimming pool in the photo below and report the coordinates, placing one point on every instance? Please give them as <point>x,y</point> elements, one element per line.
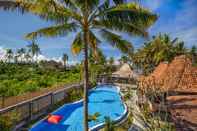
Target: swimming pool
<point>104,99</point>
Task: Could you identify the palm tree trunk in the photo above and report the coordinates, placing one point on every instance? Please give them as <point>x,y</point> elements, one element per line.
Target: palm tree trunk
<point>85,104</point>
<point>65,65</point>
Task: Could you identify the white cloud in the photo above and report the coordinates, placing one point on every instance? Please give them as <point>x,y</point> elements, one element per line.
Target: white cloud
<point>38,58</point>
<point>41,57</point>
<point>188,35</point>
<point>2,53</point>
<point>73,62</point>
<point>183,24</point>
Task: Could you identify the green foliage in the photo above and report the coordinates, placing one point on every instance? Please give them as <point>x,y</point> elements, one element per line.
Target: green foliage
<point>7,121</point>
<point>74,95</point>
<point>109,124</point>
<point>126,124</point>
<point>193,55</point>
<point>88,16</point>
<point>124,59</point>
<point>17,79</point>
<point>160,48</point>
<point>94,117</point>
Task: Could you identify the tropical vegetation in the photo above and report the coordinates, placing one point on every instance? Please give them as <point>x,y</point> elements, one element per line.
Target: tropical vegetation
<point>85,17</point>
<point>27,78</point>
<point>160,48</point>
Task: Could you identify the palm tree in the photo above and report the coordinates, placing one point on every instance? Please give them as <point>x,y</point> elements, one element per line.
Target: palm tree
<point>109,124</point>
<point>180,48</point>
<point>193,54</point>
<point>111,61</point>
<point>111,65</point>
<point>27,57</point>
<point>34,50</point>
<point>65,59</point>
<point>9,55</point>
<point>21,52</point>
<point>124,59</point>
<point>87,17</point>
<point>160,48</point>
<point>16,56</point>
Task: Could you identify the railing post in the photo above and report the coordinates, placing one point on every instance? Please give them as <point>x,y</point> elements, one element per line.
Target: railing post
<point>30,110</point>
<point>52,98</point>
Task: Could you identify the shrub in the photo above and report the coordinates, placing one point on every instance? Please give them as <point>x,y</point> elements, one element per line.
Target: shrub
<point>109,124</point>
<point>7,121</point>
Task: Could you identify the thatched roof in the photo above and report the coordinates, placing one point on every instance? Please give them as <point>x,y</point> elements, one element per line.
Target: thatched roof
<point>177,75</point>
<point>125,71</point>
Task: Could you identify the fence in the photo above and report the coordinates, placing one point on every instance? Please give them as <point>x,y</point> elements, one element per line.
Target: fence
<point>30,110</point>
<point>115,79</point>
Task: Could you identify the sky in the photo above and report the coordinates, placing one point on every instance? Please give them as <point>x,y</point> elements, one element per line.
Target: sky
<point>178,18</point>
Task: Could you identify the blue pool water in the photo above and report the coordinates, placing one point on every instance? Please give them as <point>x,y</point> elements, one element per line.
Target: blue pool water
<point>104,99</point>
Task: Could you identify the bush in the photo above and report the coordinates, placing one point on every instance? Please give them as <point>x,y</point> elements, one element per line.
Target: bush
<point>19,79</point>
<point>109,124</point>
<point>7,121</point>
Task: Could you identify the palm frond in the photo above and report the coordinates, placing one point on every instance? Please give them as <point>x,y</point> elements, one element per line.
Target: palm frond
<point>47,9</point>
<point>104,5</point>
<point>93,42</point>
<point>77,44</point>
<point>70,4</point>
<point>125,27</point>
<point>119,1</point>
<point>53,31</point>
<point>117,41</point>
<point>129,12</point>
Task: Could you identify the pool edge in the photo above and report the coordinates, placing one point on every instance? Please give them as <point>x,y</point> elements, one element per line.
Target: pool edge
<point>101,125</point>
<point>117,120</point>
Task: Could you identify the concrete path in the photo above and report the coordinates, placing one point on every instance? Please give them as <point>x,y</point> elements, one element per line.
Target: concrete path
<point>138,123</point>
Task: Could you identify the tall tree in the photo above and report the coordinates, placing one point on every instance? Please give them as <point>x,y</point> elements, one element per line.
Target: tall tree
<point>193,54</point>
<point>16,56</point>
<point>34,50</point>
<point>87,17</point>
<point>111,61</point>
<point>65,59</point>
<point>21,52</point>
<point>27,57</point>
<point>160,48</point>
<point>9,55</point>
<point>124,59</point>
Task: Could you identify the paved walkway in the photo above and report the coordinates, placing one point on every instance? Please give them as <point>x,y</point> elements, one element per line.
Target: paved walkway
<point>138,123</point>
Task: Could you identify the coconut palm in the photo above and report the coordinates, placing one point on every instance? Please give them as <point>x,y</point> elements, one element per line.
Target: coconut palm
<point>180,48</point>
<point>21,52</point>
<point>34,50</point>
<point>111,61</point>
<point>88,18</point>
<point>193,54</point>
<point>109,126</point>
<point>65,59</point>
<point>9,55</point>
<point>160,48</point>
<point>16,56</point>
<point>27,57</point>
<point>124,59</point>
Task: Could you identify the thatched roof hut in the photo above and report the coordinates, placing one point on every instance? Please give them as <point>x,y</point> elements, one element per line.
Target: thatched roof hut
<point>125,71</point>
